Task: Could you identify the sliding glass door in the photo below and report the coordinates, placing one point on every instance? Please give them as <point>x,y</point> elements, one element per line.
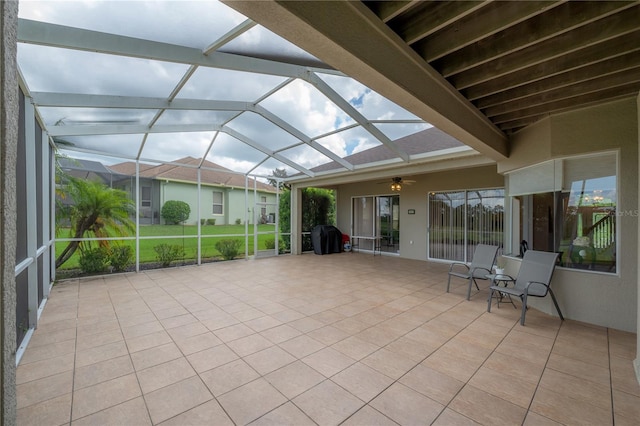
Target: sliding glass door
<point>460,220</point>
<point>375,223</point>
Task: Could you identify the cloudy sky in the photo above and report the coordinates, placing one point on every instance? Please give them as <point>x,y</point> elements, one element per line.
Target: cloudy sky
<point>196,24</point>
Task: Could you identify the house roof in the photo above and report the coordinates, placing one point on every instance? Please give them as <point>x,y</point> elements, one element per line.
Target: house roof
<point>424,142</point>
<point>210,173</point>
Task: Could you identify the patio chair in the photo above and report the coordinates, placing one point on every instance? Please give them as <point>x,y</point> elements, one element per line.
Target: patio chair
<point>534,279</point>
<point>483,258</point>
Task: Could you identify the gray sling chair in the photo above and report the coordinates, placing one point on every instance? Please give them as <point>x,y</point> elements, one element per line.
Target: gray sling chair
<point>534,279</point>
<point>484,257</point>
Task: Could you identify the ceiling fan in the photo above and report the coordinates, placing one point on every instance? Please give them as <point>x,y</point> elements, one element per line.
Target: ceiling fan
<point>397,182</point>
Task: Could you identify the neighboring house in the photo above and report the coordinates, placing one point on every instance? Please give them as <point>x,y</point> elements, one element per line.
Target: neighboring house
<point>86,169</point>
<point>223,194</point>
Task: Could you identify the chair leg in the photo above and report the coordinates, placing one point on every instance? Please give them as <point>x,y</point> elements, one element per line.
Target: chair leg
<point>555,302</point>
<point>469,289</point>
<point>490,298</point>
<point>448,283</point>
<point>524,308</point>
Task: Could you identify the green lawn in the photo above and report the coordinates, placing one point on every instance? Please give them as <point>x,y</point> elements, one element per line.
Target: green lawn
<point>184,236</point>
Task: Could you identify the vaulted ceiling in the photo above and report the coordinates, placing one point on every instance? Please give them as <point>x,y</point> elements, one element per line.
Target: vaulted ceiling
<point>479,70</point>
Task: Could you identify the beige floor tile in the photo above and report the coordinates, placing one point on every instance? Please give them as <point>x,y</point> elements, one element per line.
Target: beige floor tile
<point>406,406</point>
<point>368,416</point>
<point>389,363</point>
<point>44,389</point>
<point>579,369</point>
<point>100,339</point>
<point>294,379</point>
<point>432,383</point>
<point>362,381</point>
<point>178,321</point>
<point>268,360</point>
<point>102,371</point>
<point>154,356</point>
<point>535,419</point>
<point>448,417</point>
<point>211,358</point>
<point>229,376</point>
<point>263,323</point>
<point>328,403</point>
<point>302,346</point>
<point>287,414</point>
<point>563,409</point>
<point>132,412</point>
<point>234,332</point>
<point>176,399</point>
<point>165,374</point>
<point>142,329</point>
<point>98,397</point>
<point>288,315</point>
<point>250,344</point>
<point>626,405</point>
<point>47,367</point>
<point>509,388</point>
<point>306,324</point>
<point>188,330</point>
<point>485,408</point>
<point>209,413</point>
<point>55,411</point>
<point>576,388</point>
<point>328,361</point>
<point>137,319</point>
<point>53,350</point>
<point>412,349</point>
<point>170,312</point>
<point>251,401</point>
<point>48,338</point>
<point>148,341</point>
<point>328,335</point>
<point>598,358</point>
<point>280,334</point>
<point>198,343</point>
<point>355,348</point>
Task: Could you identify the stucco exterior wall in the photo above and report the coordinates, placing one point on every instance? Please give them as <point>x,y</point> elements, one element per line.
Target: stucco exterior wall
<point>234,202</point>
<point>609,300</point>
<point>8,145</point>
<point>413,227</point>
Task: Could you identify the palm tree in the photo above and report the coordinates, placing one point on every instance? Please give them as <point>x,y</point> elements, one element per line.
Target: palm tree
<point>95,211</point>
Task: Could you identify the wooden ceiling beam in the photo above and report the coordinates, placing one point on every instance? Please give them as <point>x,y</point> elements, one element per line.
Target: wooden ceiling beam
<point>613,26</point>
<point>556,21</point>
<point>593,54</point>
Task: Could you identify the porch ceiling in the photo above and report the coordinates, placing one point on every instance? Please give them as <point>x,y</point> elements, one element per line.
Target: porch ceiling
<point>478,70</point>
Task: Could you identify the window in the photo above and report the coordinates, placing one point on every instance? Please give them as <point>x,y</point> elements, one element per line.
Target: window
<point>376,223</point>
<point>217,202</point>
<point>460,220</point>
<point>573,213</point>
<point>145,196</point>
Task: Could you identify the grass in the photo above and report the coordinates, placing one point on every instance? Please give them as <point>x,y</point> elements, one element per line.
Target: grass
<point>210,234</point>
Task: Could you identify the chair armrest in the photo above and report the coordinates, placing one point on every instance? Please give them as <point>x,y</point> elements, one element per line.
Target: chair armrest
<point>526,287</point>
<point>459,264</point>
<point>480,268</point>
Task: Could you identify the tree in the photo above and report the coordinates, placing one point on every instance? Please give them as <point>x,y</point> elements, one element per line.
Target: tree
<point>175,212</point>
<point>279,173</point>
<point>95,211</point>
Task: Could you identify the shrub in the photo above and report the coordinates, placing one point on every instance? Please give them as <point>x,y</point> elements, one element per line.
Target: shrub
<point>228,248</point>
<point>94,260</point>
<point>203,221</point>
<point>121,257</point>
<point>211,221</point>
<point>238,221</point>
<point>270,244</point>
<point>166,253</point>
<point>175,212</point>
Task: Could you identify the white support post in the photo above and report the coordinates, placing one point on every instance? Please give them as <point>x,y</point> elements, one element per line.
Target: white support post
<point>46,214</point>
<point>137,215</point>
<point>246,215</point>
<point>32,217</point>
<point>198,218</point>
<point>255,218</point>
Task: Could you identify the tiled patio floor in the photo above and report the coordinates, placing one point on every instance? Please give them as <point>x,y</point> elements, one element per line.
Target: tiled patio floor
<point>339,339</point>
